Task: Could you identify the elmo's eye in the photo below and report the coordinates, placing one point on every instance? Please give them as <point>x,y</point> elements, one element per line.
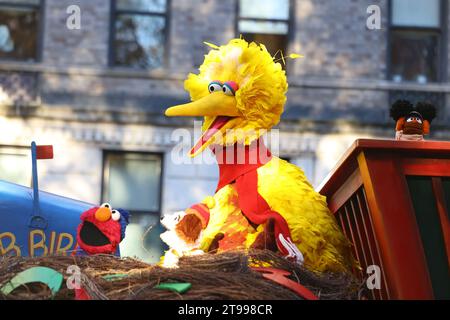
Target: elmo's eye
<point>106,205</point>
<point>409,119</point>
<point>215,86</point>
<point>115,215</point>
<point>419,121</point>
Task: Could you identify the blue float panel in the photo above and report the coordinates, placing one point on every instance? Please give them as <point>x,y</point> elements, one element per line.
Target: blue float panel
<point>52,231</point>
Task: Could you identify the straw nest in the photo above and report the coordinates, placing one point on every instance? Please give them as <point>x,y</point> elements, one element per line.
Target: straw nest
<point>213,276</point>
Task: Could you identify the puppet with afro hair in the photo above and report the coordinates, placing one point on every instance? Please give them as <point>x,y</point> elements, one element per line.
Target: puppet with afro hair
<point>412,123</point>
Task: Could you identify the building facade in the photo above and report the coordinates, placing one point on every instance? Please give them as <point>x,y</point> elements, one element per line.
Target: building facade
<point>93,78</point>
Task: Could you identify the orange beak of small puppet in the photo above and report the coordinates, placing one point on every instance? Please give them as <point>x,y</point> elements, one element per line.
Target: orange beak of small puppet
<point>103,214</point>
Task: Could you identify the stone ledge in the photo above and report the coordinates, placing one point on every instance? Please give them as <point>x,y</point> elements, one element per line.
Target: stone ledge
<point>144,117</point>
<point>120,72</point>
<point>165,74</point>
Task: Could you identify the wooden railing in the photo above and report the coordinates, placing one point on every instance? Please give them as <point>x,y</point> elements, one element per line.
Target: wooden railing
<point>392,200</point>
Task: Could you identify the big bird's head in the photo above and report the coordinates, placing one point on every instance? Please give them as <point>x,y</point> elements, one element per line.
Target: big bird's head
<point>240,91</point>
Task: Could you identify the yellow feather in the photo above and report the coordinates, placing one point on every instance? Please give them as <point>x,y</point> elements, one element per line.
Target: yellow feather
<point>295,56</point>
<point>212,45</point>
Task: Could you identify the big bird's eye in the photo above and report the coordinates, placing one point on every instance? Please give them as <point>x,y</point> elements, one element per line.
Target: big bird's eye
<point>215,86</point>
<point>115,215</point>
<point>230,88</point>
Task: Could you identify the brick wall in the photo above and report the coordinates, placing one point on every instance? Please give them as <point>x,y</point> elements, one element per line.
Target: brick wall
<point>340,52</point>
<point>87,46</point>
<point>335,41</point>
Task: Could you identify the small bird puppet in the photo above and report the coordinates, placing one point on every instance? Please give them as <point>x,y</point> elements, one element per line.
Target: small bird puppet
<point>101,230</point>
<point>261,201</point>
<point>412,123</point>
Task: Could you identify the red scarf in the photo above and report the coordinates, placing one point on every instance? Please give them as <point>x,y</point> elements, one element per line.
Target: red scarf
<point>239,164</point>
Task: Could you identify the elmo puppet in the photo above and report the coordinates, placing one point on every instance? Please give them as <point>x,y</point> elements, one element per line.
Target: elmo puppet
<point>101,230</point>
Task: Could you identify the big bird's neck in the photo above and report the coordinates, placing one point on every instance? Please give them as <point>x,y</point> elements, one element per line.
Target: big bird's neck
<point>239,159</point>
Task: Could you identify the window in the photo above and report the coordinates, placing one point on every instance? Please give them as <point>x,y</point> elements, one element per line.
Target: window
<point>266,22</point>
<point>15,165</point>
<point>139,33</point>
<point>415,40</point>
<point>132,181</point>
<point>19,25</point>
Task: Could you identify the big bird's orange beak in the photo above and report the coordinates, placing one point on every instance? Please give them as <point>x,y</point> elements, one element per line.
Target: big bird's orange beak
<point>218,105</point>
<point>214,104</point>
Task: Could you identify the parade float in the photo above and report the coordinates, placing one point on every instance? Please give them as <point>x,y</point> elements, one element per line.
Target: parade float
<point>384,208</point>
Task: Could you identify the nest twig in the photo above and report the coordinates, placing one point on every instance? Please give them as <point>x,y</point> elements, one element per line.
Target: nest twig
<point>213,276</point>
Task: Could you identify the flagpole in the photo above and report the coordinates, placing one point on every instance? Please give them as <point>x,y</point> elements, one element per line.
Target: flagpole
<point>35,179</point>
<point>38,152</point>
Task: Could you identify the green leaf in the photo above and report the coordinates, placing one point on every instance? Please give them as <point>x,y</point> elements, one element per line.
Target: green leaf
<point>52,278</point>
<point>174,286</point>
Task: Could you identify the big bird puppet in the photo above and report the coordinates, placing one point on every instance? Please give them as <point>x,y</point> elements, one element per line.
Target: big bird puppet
<point>261,201</point>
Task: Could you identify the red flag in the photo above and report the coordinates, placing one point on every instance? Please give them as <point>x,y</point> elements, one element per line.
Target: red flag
<point>44,152</point>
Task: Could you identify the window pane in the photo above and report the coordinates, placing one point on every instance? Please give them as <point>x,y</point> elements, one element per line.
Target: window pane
<point>273,42</point>
<point>133,181</point>
<point>414,56</point>
<point>142,238</point>
<point>264,9</point>
<point>18,36</point>
<point>417,13</point>
<point>142,5</point>
<point>15,166</point>
<point>139,41</point>
<point>249,26</point>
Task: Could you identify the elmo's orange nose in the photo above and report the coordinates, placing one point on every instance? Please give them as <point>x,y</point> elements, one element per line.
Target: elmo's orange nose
<point>103,214</point>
